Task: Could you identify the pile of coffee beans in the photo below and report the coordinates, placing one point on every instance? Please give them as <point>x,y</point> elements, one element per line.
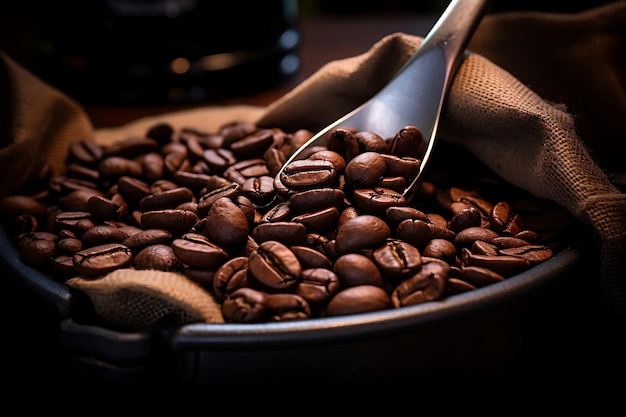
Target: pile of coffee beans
<point>330,234</point>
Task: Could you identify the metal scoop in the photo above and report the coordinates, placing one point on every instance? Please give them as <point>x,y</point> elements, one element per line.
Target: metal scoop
<point>415,95</point>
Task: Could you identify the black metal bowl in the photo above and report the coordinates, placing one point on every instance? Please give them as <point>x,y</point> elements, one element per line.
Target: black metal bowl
<point>474,333</point>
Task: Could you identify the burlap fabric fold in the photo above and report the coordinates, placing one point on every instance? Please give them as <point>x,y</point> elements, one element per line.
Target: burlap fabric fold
<point>530,140</point>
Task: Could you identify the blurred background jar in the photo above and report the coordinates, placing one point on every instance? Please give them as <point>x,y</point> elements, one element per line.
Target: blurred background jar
<point>158,51</point>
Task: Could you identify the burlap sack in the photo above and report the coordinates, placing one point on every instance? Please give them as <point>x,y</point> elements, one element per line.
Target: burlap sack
<point>528,140</point>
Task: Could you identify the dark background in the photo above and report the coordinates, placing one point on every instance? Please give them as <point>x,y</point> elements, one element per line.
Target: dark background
<point>570,340</point>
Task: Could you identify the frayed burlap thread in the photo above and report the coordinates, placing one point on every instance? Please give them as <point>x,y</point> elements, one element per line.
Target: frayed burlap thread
<point>137,299</point>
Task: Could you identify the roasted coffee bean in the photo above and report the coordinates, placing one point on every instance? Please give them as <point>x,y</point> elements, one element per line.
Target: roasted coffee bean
<point>365,231</point>
<point>62,267</point>
<point>466,217</point>
<point>176,161</point>
<point>441,249</point>
<point>406,167</point>
<point>306,174</point>
<point>344,142</point>
<point>409,141</point>
<point>201,276</point>
<point>252,145</point>
<point>158,257</point>
<point>371,142</point>
<point>260,190</point>
<point>245,305</point>
<point>113,167</point>
<point>248,208</point>
<point>504,242</point>
<point>230,276</point>
<point>131,147</point>
<point>78,200</point>
<point>227,224</point>
<point>198,251</point>
<point>102,259</point>
<point>503,219</point>
<point>20,204</point>
<point>428,284</point>
<point>505,265</point>
<point>287,306</point>
<point>101,234</point>
<point>479,276</point>
<point>132,189</point>
<point>167,199</point>
<point>365,169</point>
<point>311,258</point>
<point>484,248</point>
<point>69,245</point>
<point>397,214</point>
<point>231,189</point>
<point>82,173</point>
<point>76,221</point>
<point>174,221</point>
<point>316,199</point>
<point>397,184</point>
<point>337,161</point>
<point>275,266</point>
<point>377,200</point>
<point>416,232</point>
<point>458,286</point>
<point>195,150</point>
<point>236,130</point>
<point>147,237</point>
<point>319,221</point>
<point>192,180</point>
<point>534,254</point>
<point>85,151</point>
<point>161,132</point>
<point>153,166</point>
<point>37,248</point>
<point>466,237</point>
<point>318,285</point>
<point>219,159</point>
<point>346,214</point>
<point>356,269</point>
<point>397,259</point>
<point>280,212</point>
<point>242,170</point>
<point>104,208</point>
<point>24,223</point>
<point>288,233</point>
<point>358,299</point>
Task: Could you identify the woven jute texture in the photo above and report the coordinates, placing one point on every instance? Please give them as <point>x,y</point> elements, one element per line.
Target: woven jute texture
<point>529,139</point>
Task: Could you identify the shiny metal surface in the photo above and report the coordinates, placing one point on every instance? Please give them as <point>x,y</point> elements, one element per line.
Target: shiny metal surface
<point>416,94</point>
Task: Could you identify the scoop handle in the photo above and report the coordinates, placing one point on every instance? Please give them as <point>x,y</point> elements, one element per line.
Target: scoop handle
<point>454,29</point>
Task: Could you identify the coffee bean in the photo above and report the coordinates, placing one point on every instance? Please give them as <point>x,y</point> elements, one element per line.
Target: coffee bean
<point>428,284</point>
<point>365,231</point>
<point>358,299</point>
<point>397,259</point>
<point>198,251</point>
<point>356,269</point>
<point>102,259</point>
<point>318,285</point>
<point>245,305</point>
<point>158,257</point>
<point>275,266</point>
